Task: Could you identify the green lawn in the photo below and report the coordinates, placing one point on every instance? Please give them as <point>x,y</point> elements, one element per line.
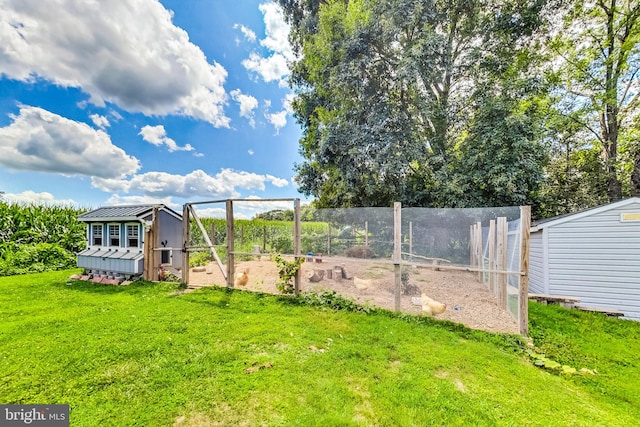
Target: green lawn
<point>147,355</point>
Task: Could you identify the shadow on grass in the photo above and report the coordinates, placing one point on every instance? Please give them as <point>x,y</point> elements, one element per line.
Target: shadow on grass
<point>135,287</point>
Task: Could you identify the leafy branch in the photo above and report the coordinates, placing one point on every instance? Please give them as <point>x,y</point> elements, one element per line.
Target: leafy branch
<point>286,272</point>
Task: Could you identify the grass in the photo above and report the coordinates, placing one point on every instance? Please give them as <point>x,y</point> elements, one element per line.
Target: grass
<point>148,355</point>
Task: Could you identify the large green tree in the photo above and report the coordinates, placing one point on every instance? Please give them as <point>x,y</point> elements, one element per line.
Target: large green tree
<point>392,95</point>
<point>597,53</point>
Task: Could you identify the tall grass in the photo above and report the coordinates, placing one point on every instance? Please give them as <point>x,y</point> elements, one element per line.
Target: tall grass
<point>39,237</point>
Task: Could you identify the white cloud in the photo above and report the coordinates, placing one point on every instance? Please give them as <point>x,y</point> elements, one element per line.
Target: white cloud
<point>125,52</point>
<point>248,104</point>
<point>247,32</point>
<point>277,30</point>
<point>31,197</point>
<point>223,185</point>
<point>278,120</point>
<point>273,67</point>
<point>157,136</point>
<point>43,141</point>
<point>140,200</point>
<point>277,182</point>
<point>101,121</point>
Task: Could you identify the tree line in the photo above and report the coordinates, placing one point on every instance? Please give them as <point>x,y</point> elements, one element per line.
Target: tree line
<point>466,103</point>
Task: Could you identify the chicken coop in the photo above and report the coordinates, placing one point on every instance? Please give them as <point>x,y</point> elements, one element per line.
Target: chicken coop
<point>593,255</point>
<point>125,242</point>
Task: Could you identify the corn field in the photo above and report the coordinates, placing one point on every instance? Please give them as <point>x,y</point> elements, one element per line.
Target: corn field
<point>39,237</point>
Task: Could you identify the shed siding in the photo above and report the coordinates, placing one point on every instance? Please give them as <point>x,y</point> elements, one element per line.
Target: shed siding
<point>597,258</point>
<point>536,264</point>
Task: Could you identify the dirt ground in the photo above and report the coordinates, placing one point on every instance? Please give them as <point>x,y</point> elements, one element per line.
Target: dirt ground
<point>468,301</point>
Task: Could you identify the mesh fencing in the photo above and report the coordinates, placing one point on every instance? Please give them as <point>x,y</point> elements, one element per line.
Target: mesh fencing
<point>349,251</point>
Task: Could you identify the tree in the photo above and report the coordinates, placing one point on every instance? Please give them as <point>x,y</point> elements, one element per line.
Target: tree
<point>385,92</point>
<point>598,43</point>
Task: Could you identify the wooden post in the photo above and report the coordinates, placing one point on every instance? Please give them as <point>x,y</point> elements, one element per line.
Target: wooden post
<point>146,269</point>
<point>155,255</point>
<point>231,268</point>
<point>264,238</point>
<point>523,297</point>
<point>397,253</point>
<point>479,250</point>
<point>410,238</point>
<point>472,245</point>
<point>186,239</point>
<point>213,232</point>
<point>297,242</point>
<point>329,239</point>
<point>366,234</point>
<point>492,255</point>
<point>502,233</point>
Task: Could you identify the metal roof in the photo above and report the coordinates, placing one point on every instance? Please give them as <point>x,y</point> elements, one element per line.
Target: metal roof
<point>547,222</point>
<point>123,213</point>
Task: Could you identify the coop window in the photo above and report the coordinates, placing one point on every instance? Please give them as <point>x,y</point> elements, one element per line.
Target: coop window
<point>132,236</point>
<point>96,234</point>
<point>165,256</point>
<point>114,235</point>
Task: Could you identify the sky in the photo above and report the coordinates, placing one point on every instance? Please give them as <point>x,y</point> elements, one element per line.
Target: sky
<point>117,102</point>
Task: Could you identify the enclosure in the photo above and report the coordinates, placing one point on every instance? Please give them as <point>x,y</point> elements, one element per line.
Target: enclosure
<point>387,257</point>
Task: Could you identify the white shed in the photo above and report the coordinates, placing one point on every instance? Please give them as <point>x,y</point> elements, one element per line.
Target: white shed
<point>593,255</point>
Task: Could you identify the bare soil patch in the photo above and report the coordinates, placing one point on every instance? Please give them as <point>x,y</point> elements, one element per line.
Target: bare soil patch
<point>468,301</point>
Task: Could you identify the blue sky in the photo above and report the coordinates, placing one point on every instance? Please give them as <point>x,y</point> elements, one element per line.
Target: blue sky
<point>145,101</point>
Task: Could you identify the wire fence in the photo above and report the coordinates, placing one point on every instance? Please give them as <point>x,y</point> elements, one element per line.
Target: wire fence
<point>448,254</point>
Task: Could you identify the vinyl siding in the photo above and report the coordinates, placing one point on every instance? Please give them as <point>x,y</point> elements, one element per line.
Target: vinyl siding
<point>597,258</point>
<point>536,264</point>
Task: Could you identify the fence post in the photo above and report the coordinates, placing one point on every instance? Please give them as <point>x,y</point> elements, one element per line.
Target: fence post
<point>186,237</point>
<point>297,242</point>
<point>410,240</point>
<point>230,246</point>
<point>502,230</point>
<point>397,253</point>
<point>523,298</point>
<point>492,255</point>
<point>366,234</point>
<point>480,251</point>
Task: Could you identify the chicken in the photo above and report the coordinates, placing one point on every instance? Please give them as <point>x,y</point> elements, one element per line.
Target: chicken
<point>431,307</point>
<point>361,283</point>
<point>242,278</point>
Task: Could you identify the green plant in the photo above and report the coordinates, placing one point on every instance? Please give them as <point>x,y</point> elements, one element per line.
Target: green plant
<point>286,272</point>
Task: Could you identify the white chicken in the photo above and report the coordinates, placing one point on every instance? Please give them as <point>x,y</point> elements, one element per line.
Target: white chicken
<point>431,307</point>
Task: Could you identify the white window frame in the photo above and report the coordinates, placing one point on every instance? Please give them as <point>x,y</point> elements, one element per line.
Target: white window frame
<point>136,227</point>
<point>93,235</point>
<point>119,237</point>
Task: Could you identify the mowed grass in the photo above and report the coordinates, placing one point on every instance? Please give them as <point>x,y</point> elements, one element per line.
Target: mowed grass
<point>148,355</point>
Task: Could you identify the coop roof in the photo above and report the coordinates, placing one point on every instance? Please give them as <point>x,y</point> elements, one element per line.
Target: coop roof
<point>544,223</point>
<point>124,213</point>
